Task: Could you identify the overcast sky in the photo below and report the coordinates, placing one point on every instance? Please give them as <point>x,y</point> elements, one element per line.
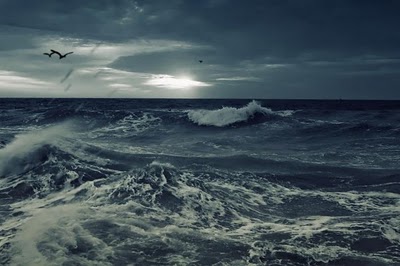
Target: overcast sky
<point>319,49</point>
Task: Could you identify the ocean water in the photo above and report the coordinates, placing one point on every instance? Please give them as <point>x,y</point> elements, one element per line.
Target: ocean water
<point>199,182</point>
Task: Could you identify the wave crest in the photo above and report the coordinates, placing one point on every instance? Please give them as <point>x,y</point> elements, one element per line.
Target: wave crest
<point>30,149</point>
<point>230,115</point>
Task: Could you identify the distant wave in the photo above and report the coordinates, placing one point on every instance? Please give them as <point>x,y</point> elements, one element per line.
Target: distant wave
<point>230,115</point>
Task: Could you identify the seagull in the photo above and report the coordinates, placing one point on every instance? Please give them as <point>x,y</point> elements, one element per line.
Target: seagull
<point>60,55</point>
<point>48,54</point>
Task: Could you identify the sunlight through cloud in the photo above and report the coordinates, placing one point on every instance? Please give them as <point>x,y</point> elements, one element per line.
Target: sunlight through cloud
<point>171,82</point>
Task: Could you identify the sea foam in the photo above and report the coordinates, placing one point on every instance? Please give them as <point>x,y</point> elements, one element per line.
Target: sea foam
<point>26,149</point>
<point>229,115</point>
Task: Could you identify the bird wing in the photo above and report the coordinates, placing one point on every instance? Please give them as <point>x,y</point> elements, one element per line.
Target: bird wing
<point>54,51</point>
<point>46,53</point>
<point>68,53</point>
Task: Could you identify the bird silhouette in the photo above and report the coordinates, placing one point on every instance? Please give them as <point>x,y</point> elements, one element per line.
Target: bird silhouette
<point>200,61</point>
<point>59,54</point>
<point>48,54</point>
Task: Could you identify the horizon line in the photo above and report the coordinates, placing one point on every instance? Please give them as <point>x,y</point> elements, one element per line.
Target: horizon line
<point>208,98</point>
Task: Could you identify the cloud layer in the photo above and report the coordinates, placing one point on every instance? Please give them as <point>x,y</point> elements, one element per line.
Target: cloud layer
<point>267,49</point>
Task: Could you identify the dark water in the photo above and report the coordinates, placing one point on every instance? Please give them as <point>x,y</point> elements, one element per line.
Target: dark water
<point>199,182</point>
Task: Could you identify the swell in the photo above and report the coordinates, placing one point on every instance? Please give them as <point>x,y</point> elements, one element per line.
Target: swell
<point>235,216</point>
<point>52,167</point>
<point>68,201</point>
<point>123,161</point>
<point>232,215</point>
<point>328,129</point>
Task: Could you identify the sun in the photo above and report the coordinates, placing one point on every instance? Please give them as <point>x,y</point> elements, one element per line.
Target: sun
<point>171,82</point>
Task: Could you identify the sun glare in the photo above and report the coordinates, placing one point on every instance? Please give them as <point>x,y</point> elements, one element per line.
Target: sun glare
<point>170,82</point>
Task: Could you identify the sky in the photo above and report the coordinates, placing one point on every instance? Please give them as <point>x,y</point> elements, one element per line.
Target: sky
<point>264,49</point>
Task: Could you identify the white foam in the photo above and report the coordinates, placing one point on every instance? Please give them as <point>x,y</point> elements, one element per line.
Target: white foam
<point>25,143</point>
<point>391,232</point>
<point>31,233</point>
<point>204,202</point>
<point>57,228</point>
<point>129,125</point>
<point>230,115</point>
<point>163,165</point>
<point>138,124</point>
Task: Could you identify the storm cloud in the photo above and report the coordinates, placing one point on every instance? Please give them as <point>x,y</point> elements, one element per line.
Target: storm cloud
<point>259,48</point>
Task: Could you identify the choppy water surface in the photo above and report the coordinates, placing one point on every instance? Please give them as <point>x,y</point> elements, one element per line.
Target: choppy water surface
<point>199,182</point>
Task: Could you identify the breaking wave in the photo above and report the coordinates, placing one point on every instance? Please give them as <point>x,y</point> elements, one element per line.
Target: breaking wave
<point>230,115</point>
<point>139,182</point>
<point>29,149</point>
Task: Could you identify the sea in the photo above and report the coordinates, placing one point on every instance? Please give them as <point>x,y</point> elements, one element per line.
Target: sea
<point>199,182</point>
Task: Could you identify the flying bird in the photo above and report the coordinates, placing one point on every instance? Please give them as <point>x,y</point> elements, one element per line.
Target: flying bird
<point>59,54</point>
<point>48,54</point>
<point>200,61</point>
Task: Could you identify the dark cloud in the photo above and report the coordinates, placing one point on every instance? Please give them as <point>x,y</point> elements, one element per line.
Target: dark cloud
<point>279,28</point>
<point>159,63</point>
<point>284,28</point>
<point>87,19</point>
<point>179,62</point>
<point>308,47</point>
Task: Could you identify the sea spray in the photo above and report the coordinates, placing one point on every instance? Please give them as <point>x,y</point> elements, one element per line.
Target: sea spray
<point>27,149</point>
<point>228,115</point>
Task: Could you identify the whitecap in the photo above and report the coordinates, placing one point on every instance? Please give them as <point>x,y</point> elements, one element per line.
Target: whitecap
<point>230,115</point>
